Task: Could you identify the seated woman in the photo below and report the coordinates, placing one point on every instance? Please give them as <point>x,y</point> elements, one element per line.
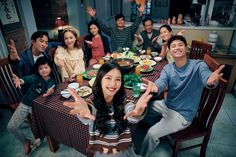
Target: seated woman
<point>96,45</point>
<point>165,34</point>
<point>69,57</point>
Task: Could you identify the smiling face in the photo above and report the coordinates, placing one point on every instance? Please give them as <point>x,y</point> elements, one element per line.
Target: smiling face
<point>111,83</point>
<point>44,71</point>
<point>93,30</point>
<point>69,39</point>
<point>120,23</point>
<point>165,34</point>
<point>178,49</point>
<point>40,44</point>
<point>148,26</point>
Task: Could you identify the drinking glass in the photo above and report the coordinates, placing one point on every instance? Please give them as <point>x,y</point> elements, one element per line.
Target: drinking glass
<point>149,51</point>
<point>101,61</point>
<point>137,70</point>
<point>79,78</point>
<point>136,91</point>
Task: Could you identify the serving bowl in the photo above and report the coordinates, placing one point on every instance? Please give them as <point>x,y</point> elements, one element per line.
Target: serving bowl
<point>126,64</point>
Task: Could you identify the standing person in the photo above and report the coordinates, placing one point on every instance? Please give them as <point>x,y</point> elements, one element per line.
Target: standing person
<point>40,83</point>
<point>148,37</point>
<point>165,34</point>
<point>96,45</point>
<point>23,65</point>
<point>120,35</point>
<point>69,57</point>
<point>182,77</point>
<point>108,113</point>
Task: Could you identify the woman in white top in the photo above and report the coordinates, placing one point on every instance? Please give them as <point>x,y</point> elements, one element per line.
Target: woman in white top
<point>69,57</point>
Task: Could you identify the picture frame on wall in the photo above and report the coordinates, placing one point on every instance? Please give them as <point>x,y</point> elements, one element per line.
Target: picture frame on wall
<point>161,3</point>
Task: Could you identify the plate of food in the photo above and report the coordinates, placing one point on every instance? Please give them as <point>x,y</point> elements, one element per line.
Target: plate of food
<point>84,91</point>
<point>136,59</point>
<point>147,62</point>
<point>116,55</point>
<point>89,74</point>
<point>145,68</point>
<point>131,79</point>
<point>145,57</point>
<point>96,66</point>
<point>91,82</point>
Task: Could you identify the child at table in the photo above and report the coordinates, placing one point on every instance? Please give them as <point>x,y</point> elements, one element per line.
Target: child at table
<point>40,83</point>
<point>109,113</point>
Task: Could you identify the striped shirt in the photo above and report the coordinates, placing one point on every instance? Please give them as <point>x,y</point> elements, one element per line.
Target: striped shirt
<point>120,38</point>
<point>112,139</point>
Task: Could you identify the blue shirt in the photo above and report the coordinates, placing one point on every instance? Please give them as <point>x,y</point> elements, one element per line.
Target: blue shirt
<point>185,85</point>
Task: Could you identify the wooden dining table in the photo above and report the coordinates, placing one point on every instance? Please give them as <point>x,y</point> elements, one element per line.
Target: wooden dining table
<point>51,119</point>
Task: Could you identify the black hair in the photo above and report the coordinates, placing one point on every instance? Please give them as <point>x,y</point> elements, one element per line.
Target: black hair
<point>41,61</point>
<point>100,104</point>
<point>94,22</point>
<point>167,27</point>
<point>118,16</point>
<point>38,34</point>
<point>176,37</point>
<point>147,19</point>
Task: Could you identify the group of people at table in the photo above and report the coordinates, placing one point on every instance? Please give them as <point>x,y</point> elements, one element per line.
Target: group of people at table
<point>109,113</point>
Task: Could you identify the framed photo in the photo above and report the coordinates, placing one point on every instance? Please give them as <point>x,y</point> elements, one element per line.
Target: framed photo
<point>161,3</point>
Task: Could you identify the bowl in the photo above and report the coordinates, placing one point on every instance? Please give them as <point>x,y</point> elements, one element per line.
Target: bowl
<point>142,51</point>
<point>96,66</point>
<point>126,64</point>
<point>66,95</point>
<point>158,59</point>
<point>154,54</point>
<point>73,85</point>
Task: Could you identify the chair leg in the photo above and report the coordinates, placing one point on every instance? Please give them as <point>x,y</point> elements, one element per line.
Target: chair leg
<point>204,146</point>
<point>175,149</point>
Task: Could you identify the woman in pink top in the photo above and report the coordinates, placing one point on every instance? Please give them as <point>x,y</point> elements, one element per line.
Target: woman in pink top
<point>96,45</point>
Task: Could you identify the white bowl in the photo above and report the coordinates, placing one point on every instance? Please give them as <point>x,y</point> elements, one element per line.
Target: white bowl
<point>158,59</point>
<point>142,51</point>
<point>73,85</point>
<point>96,66</point>
<point>66,95</point>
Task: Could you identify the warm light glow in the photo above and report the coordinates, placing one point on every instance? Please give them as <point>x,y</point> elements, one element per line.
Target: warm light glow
<point>59,22</point>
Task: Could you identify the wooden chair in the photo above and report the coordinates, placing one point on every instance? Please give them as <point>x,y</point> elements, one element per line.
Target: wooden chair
<point>198,49</point>
<point>210,104</point>
<point>10,94</point>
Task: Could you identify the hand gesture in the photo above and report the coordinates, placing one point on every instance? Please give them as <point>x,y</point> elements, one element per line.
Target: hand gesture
<point>141,104</point>
<point>49,91</point>
<point>90,43</point>
<point>16,81</point>
<point>72,78</point>
<point>141,8</point>
<point>80,106</point>
<point>154,40</point>
<point>181,32</point>
<point>215,76</point>
<point>153,87</point>
<point>91,11</point>
<point>138,37</point>
<point>13,52</point>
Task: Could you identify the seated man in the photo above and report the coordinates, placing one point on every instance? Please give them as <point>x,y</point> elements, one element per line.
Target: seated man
<point>148,37</point>
<point>23,65</point>
<point>185,79</point>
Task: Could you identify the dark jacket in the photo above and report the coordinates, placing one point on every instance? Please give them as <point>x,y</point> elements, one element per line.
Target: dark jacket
<point>148,42</point>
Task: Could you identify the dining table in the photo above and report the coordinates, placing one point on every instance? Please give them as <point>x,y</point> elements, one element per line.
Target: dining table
<point>51,119</point>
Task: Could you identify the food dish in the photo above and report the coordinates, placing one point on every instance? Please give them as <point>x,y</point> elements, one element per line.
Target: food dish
<point>96,66</point>
<point>145,68</point>
<point>73,85</point>
<point>147,62</point>
<point>131,79</point>
<point>107,58</point>
<point>154,54</point>
<point>145,57</point>
<point>91,82</point>
<point>141,51</point>
<point>84,91</point>
<point>89,74</point>
<point>136,59</point>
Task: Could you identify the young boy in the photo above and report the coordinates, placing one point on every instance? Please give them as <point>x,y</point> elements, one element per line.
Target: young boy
<point>40,83</point>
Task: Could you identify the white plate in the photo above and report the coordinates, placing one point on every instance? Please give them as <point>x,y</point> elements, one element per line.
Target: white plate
<point>84,91</point>
<point>158,59</point>
<point>96,66</point>
<point>148,62</point>
<point>136,59</point>
<point>73,85</point>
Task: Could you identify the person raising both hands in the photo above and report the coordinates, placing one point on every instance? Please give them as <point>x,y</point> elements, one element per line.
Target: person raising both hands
<point>109,113</point>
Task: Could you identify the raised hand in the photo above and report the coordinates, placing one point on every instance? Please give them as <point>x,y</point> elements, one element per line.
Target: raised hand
<point>80,106</point>
<point>13,52</point>
<point>181,32</point>
<point>154,40</point>
<point>215,76</point>
<point>91,11</point>
<point>90,43</point>
<point>49,91</point>
<point>152,85</point>
<point>138,37</point>
<point>141,105</point>
<point>141,8</point>
<point>16,81</point>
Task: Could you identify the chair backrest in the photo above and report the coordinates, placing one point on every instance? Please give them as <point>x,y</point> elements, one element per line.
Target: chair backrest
<point>211,99</point>
<point>10,93</point>
<point>198,49</point>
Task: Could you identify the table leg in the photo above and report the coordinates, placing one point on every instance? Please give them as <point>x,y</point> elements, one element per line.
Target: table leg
<point>52,144</point>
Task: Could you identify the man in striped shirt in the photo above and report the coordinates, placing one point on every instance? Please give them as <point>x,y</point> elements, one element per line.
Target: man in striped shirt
<point>120,35</point>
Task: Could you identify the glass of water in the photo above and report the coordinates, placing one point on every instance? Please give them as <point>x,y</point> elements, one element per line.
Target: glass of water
<point>136,91</point>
